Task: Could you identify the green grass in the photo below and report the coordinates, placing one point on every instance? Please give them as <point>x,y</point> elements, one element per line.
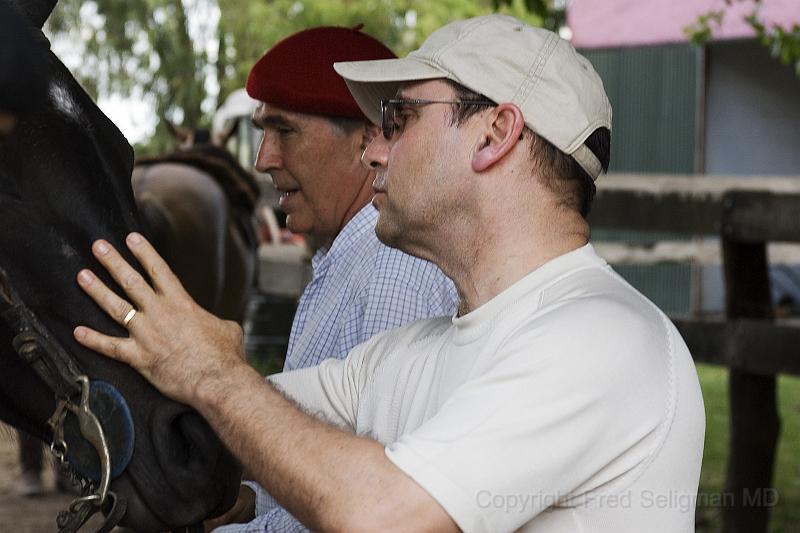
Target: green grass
<point>786,514</point>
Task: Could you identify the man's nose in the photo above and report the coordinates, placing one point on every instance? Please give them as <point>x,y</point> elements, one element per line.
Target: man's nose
<point>269,155</point>
<point>376,154</point>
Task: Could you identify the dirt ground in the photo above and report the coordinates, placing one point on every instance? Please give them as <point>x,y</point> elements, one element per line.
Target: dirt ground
<point>26,515</point>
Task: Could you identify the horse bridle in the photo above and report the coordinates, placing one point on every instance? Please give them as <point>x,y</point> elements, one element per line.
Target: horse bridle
<point>71,387</point>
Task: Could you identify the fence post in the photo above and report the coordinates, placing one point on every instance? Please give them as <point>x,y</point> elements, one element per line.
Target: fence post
<point>754,420</point>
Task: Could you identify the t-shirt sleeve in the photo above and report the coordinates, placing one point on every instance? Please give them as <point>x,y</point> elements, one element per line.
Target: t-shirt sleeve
<point>526,434</point>
<point>326,391</point>
<point>331,390</point>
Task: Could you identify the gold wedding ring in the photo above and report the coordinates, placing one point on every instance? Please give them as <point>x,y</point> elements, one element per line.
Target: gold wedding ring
<point>129,317</point>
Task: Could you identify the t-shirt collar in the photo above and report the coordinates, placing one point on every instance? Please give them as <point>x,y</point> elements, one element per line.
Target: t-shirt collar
<point>474,322</point>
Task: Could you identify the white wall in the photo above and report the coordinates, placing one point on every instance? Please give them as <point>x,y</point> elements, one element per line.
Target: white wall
<point>752,128</point>
<point>752,112</point>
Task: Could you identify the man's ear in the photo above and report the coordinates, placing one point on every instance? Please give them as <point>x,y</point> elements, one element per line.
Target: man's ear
<point>502,134</point>
<point>369,132</point>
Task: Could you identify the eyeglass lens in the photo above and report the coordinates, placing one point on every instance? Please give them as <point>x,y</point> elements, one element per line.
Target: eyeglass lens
<point>388,120</point>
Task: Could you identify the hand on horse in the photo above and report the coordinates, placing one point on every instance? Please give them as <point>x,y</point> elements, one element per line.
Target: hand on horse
<point>173,342</point>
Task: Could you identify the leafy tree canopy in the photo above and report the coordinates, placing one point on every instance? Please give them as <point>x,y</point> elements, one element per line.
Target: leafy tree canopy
<point>782,42</point>
<point>186,56</point>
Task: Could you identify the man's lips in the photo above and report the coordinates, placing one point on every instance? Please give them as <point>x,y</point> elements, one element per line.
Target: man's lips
<point>286,195</point>
<point>378,198</point>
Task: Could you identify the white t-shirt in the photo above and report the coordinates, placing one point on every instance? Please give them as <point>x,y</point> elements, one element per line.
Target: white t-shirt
<point>567,403</point>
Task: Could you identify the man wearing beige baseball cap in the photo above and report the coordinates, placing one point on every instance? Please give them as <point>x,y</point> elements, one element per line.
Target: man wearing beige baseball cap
<point>558,399</point>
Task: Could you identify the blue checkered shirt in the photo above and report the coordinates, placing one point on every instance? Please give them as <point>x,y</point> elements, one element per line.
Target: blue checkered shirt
<point>360,287</point>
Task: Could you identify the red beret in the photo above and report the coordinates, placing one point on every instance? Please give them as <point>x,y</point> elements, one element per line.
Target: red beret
<point>297,73</point>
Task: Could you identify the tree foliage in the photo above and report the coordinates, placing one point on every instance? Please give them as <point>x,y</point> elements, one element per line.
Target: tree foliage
<point>141,49</point>
<point>782,42</point>
<point>186,56</point>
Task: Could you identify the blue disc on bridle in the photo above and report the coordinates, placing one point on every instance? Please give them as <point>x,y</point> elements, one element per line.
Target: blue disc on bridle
<point>114,415</point>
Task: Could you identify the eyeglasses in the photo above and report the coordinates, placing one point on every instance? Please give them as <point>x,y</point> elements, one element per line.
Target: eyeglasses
<point>393,120</point>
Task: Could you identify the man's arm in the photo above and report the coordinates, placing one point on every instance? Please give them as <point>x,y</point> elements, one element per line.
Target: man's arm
<point>327,478</point>
<point>330,479</point>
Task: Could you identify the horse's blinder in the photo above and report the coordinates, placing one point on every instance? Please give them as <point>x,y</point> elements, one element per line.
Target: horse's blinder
<point>94,405</point>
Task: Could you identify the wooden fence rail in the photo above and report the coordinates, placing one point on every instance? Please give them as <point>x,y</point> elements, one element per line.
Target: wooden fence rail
<point>753,346</point>
<point>746,213</point>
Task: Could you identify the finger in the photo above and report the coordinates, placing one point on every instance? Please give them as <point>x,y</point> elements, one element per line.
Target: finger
<point>116,307</point>
<point>164,280</point>
<point>114,347</point>
<point>131,281</point>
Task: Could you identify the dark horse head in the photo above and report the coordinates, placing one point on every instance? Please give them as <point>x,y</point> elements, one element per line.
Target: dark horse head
<point>64,182</point>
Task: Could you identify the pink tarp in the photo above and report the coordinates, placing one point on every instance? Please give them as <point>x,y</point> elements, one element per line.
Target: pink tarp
<point>612,23</point>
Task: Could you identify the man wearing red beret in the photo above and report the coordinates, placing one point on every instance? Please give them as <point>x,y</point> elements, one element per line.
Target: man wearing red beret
<point>314,135</point>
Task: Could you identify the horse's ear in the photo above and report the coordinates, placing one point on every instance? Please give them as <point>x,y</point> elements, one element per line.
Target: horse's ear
<point>179,133</point>
<point>221,138</point>
<point>35,11</point>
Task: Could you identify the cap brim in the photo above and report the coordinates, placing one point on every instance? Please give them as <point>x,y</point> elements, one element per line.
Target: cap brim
<point>373,81</point>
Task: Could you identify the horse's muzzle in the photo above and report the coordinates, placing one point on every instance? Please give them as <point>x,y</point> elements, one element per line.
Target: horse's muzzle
<point>196,470</point>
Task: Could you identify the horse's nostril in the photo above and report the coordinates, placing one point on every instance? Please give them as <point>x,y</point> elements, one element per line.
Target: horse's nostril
<point>179,449</point>
<point>190,475</point>
<point>186,448</point>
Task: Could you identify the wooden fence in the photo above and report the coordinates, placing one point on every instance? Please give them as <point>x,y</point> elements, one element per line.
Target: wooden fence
<point>746,213</point>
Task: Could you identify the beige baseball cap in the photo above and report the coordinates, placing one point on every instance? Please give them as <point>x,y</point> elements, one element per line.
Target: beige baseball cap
<point>558,91</point>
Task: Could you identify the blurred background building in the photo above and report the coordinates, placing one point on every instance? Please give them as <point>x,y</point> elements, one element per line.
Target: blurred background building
<point>694,92</point>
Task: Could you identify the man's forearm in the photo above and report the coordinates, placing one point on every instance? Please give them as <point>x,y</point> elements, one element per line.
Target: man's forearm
<point>321,474</point>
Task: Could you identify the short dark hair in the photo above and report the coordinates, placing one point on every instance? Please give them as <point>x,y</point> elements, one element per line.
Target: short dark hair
<point>563,175</point>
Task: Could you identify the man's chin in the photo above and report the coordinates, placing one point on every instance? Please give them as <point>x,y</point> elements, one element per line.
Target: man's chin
<point>297,226</point>
<point>387,233</point>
